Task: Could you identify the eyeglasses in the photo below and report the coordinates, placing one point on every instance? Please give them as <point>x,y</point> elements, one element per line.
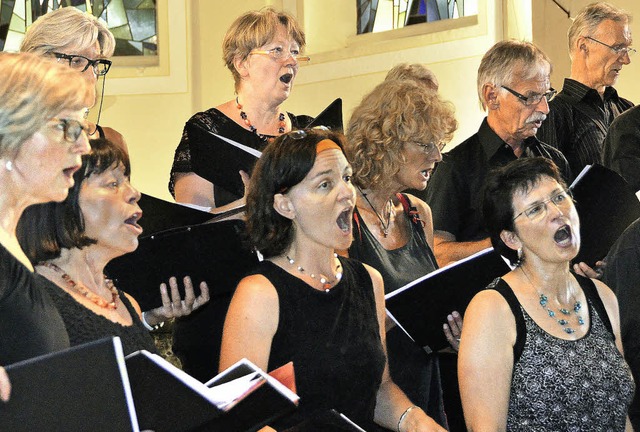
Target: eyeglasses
<point>619,50</point>
<point>429,148</point>
<point>81,63</point>
<point>71,128</point>
<point>299,134</point>
<point>280,54</point>
<point>562,200</point>
<point>535,98</point>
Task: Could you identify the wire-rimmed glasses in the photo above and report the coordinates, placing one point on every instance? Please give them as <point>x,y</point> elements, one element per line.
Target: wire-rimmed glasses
<point>617,49</point>
<point>562,200</point>
<point>280,54</point>
<point>71,128</point>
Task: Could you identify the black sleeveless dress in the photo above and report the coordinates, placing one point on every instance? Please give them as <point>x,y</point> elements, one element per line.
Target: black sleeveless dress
<point>30,324</point>
<point>333,340</point>
<point>565,385</point>
<point>83,325</point>
<point>412,369</point>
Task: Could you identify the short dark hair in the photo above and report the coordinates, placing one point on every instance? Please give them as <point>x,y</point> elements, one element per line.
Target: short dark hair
<point>45,229</point>
<point>284,163</point>
<point>501,184</point>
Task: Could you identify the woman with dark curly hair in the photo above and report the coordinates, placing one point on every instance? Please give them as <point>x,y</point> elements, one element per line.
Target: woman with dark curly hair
<point>304,303</point>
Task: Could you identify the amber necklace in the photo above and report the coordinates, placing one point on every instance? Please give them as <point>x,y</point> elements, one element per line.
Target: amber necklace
<point>565,314</point>
<point>281,126</point>
<point>86,292</point>
<point>324,280</point>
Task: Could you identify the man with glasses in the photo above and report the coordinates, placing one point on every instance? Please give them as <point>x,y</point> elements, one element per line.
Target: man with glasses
<point>514,88</point>
<point>599,46</point>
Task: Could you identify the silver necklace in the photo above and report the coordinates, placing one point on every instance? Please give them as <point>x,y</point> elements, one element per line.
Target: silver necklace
<point>565,314</point>
<point>327,284</point>
<point>385,227</point>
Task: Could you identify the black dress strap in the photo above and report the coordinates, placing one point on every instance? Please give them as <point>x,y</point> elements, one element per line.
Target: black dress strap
<point>100,131</point>
<point>591,292</point>
<point>521,329</point>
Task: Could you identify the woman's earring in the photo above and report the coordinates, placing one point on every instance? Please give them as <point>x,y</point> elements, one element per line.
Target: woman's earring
<point>520,258</point>
<point>8,165</point>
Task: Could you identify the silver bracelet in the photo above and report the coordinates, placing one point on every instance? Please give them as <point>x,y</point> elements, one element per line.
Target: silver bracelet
<point>148,326</point>
<point>404,414</point>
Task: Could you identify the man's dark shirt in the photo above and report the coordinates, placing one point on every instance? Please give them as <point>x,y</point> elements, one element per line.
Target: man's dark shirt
<point>454,192</point>
<point>578,121</point>
<point>622,275</point>
<point>621,150</point>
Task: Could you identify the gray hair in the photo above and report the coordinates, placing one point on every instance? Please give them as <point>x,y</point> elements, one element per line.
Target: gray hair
<point>32,91</point>
<point>68,27</point>
<point>591,17</point>
<point>509,61</point>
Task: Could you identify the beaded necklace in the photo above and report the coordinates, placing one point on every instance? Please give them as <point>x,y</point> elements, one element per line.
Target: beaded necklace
<point>563,321</point>
<point>324,280</point>
<point>281,126</point>
<point>383,226</point>
<point>81,289</point>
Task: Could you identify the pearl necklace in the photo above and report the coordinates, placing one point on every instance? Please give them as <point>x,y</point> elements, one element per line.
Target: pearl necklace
<point>324,280</point>
<point>566,313</point>
<point>384,227</point>
<point>281,126</point>
<point>95,298</point>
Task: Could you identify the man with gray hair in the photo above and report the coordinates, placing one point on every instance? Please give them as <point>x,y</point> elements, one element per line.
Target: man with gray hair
<point>599,46</point>
<point>514,88</point>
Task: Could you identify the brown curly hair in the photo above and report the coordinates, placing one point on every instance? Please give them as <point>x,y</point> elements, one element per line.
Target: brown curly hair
<point>394,113</point>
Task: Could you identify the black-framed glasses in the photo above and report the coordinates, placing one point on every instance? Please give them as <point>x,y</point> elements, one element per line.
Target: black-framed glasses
<point>71,128</point>
<point>619,50</point>
<point>281,54</point>
<point>535,98</point>
<point>562,200</point>
<point>429,148</point>
<point>81,63</point>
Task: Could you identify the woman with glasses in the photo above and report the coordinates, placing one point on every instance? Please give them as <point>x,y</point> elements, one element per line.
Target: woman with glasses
<point>79,40</point>
<point>541,348</point>
<point>305,304</point>
<point>72,241</point>
<point>262,49</point>
<point>394,139</point>
<point>42,139</point>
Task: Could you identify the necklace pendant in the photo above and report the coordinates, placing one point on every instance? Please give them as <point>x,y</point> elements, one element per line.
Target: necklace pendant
<point>385,232</point>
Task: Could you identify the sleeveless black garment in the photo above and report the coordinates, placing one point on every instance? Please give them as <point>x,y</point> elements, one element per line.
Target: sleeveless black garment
<point>333,340</point>
<point>83,325</point>
<point>30,324</point>
<point>412,369</point>
<point>564,385</point>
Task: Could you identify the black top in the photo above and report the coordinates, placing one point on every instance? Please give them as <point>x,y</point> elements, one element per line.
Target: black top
<point>333,340</point>
<point>215,121</point>
<point>455,189</point>
<point>622,274</point>
<point>621,148</point>
<point>578,120</point>
<point>84,325</point>
<point>30,324</point>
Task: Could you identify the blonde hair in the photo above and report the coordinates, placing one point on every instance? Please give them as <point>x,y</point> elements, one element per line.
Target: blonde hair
<point>392,114</point>
<point>508,61</point>
<point>68,27</point>
<point>32,91</point>
<point>253,30</point>
<point>414,71</point>
<point>590,17</point>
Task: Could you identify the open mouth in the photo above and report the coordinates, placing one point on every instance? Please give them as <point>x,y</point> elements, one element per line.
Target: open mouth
<point>344,221</point>
<point>286,78</point>
<point>562,237</point>
<point>69,172</point>
<point>133,220</point>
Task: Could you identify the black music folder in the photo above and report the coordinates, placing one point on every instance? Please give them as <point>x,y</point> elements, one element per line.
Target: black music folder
<point>242,398</point>
<point>606,205</point>
<point>220,159</point>
<point>421,307</point>
<point>210,252</point>
<point>83,388</point>
<point>330,420</point>
<point>330,117</point>
<point>160,215</point>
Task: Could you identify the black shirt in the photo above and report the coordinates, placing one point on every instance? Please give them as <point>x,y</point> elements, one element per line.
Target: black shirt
<point>455,189</point>
<point>578,121</point>
<point>621,149</point>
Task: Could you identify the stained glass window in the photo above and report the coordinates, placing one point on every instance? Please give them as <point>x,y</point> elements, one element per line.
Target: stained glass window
<point>132,22</point>
<point>381,15</point>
